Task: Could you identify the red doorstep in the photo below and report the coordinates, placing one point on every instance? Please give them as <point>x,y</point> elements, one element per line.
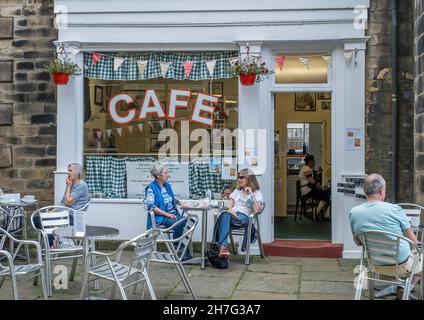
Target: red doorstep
<point>303,248</point>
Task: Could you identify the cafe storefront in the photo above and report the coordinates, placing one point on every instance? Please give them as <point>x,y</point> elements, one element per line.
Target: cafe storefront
<point>156,82</point>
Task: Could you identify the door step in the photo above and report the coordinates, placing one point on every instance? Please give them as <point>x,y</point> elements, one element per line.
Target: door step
<point>303,248</point>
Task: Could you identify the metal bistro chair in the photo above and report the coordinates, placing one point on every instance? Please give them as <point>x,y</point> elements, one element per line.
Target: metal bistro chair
<point>13,271</point>
<point>118,273</point>
<point>241,231</point>
<point>383,247</point>
<point>304,202</point>
<point>51,218</point>
<point>176,248</point>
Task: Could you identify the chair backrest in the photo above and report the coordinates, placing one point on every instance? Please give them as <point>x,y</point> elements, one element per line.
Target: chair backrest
<point>85,207</point>
<point>143,246</point>
<point>52,217</point>
<point>415,212</point>
<point>298,192</point>
<point>382,248</point>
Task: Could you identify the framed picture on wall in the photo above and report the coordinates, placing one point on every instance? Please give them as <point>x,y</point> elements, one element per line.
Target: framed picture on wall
<point>217,89</point>
<point>326,105</point>
<point>305,102</point>
<point>98,95</point>
<point>323,95</point>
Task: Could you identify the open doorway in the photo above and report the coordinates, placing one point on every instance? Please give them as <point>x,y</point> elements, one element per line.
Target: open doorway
<point>302,123</point>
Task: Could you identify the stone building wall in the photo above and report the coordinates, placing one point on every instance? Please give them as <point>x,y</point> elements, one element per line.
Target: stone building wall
<point>379,95</point>
<point>419,101</point>
<point>27,98</point>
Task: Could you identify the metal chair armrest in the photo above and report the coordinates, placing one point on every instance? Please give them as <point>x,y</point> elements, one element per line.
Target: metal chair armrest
<point>169,229</point>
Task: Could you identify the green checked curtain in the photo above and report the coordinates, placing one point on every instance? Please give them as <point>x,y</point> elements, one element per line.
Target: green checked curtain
<point>108,175</point>
<point>103,69</point>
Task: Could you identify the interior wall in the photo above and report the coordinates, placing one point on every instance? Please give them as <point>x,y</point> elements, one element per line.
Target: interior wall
<point>285,113</point>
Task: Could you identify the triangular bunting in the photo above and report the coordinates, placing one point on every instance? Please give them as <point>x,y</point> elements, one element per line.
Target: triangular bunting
<point>109,131</point>
<point>162,124</point>
<point>117,63</point>
<point>227,112</point>
<point>141,66</point>
<point>130,128</point>
<point>279,61</point>
<point>348,56</point>
<point>95,57</point>
<point>140,127</point>
<point>327,59</point>
<point>211,66</point>
<point>305,62</point>
<point>119,130</point>
<point>187,67</point>
<point>172,122</point>
<point>99,134</point>
<point>164,66</point>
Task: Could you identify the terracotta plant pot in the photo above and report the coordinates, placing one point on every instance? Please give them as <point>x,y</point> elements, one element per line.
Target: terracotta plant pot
<point>60,78</point>
<point>247,79</point>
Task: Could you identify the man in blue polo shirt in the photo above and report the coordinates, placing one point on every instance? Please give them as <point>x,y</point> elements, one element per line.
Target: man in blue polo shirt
<point>376,214</point>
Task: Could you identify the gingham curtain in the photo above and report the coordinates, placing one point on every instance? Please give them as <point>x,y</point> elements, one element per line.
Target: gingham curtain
<point>108,175</point>
<point>103,69</point>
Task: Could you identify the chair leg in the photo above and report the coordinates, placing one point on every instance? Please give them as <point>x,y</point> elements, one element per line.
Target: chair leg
<point>48,271</point>
<point>407,289</point>
<point>371,290</point>
<point>73,268</point>
<point>84,287</point>
<point>295,212</point>
<point>233,246</point>
<point>359,285</point>
<point>43,283</point>
<point>149,286</point>
<point>122,291</point>
<point>261,248</point>
<point>181,271</point>
<point>185,279</point>
<point>14,287</point>
<point>249,231</point>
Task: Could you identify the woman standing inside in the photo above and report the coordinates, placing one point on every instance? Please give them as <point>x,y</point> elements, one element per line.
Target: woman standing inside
<point>245,200</point>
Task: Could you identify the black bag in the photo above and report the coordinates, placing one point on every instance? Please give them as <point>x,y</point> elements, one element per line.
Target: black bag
<point>213,252</point>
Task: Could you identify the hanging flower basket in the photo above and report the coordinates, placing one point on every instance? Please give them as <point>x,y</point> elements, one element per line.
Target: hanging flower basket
<point>60,78</point>
<point>247,79</point>
<point>61,69</point>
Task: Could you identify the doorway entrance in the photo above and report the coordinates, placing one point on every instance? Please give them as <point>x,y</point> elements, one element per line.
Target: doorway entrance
<point>302,124</point>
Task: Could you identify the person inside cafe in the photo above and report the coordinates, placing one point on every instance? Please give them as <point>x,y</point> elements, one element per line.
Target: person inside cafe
<point>76,195</point>
<point>309,185</point>
<point>243,201</point>
<point>376,214</point>
<point>161,200</point>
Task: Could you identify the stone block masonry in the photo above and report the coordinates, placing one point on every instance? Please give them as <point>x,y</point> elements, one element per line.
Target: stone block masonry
<point>379,95</point>
<point>27,98</point>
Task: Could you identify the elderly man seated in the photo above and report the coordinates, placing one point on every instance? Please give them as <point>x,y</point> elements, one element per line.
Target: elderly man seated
<point>376,214</point>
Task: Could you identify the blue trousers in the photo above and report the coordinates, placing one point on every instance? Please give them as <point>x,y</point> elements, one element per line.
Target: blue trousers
<point>178,231</point>
<point>228,222</point>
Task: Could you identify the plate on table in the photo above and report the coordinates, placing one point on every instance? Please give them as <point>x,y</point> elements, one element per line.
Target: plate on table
<point>28,201</point>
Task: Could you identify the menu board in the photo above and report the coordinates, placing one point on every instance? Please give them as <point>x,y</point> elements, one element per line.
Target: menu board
<point>138,177</point>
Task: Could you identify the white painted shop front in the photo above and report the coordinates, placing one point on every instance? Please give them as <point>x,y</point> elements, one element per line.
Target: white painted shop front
<point>269,27</point>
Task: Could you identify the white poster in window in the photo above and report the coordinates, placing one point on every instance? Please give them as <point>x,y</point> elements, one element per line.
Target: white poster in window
<point>139,177</point>
<point>354,139</point>
<point>229,169</point>
<point>251,157</point>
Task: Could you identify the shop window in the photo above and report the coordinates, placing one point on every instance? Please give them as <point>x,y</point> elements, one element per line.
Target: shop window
<point>301,68</point>
<point>120,143</point>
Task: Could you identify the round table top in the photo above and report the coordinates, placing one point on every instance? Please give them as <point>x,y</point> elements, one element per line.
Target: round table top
<point>91,232</point>
<point>18,204</point>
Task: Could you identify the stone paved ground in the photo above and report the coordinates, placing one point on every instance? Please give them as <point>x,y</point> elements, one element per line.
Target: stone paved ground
<point>277,278</point>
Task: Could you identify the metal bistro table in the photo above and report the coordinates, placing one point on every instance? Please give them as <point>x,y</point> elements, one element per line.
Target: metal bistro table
<point>92,233</point>
<point>15,220</point>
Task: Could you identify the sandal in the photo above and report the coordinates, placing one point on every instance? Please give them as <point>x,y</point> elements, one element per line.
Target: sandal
<point>223,252</point>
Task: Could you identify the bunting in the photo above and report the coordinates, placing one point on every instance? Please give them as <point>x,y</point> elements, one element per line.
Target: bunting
<point>117,62</point>
<point>188,65</point>
<point>172,122</point>
<point>211,66</point>
<point>164,66</point>
<point>119,130</point>
<point>130,128</point>
<point>305,61</point>
<point>140,127</point>
<point>141,66</point>
<point>109,131</point>
<point>280,60</point>
<point>95,58</point>
<point>162,123</point>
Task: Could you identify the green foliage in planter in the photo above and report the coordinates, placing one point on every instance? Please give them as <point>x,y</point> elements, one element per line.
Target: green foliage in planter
<point>62,66</point>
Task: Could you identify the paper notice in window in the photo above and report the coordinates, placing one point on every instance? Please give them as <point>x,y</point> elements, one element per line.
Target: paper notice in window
<point>354,139</point>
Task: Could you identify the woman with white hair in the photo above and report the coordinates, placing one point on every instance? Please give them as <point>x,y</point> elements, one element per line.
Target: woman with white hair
<point>76,194</point>
<point>161,200</point>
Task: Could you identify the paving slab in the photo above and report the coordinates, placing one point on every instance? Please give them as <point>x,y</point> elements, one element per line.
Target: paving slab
<point>325,276</point>
<point>258,295</point>
<point>303,261</point>
<point>326,296</point>
<point>274,268</point>
<point>210,287</point>
<point>269,282</point>
<point>307,286</point>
